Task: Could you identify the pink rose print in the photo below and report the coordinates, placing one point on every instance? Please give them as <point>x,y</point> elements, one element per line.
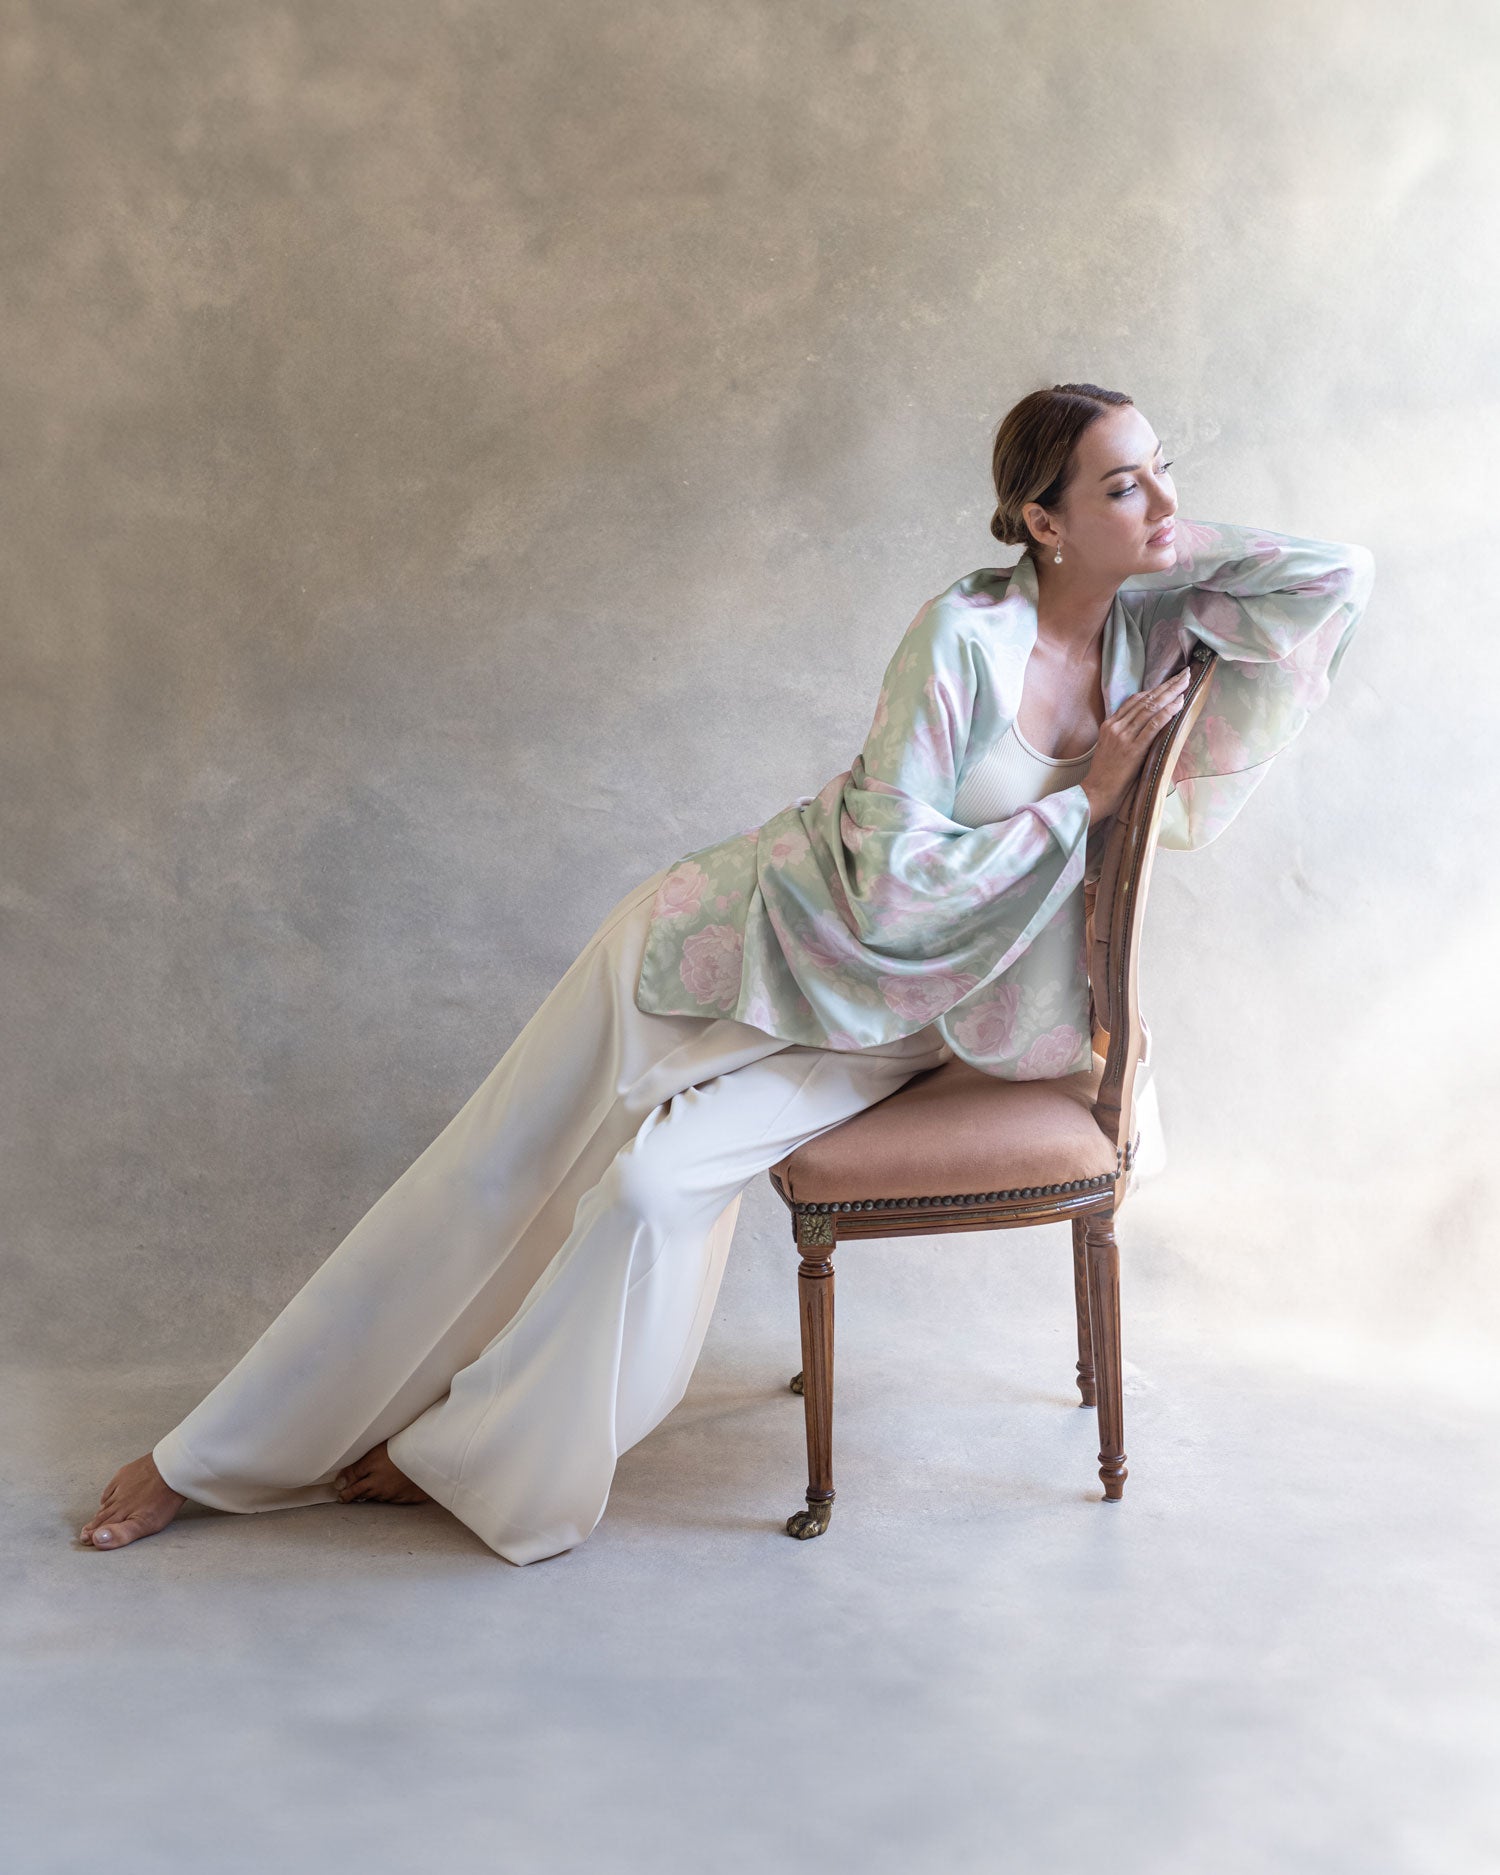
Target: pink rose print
<point>919,999</point>
<point>828,942</point>
<point>1308,662</point>
<point>1314,651</point>
<point>841,900</point>
<point>1000,891</point>
<point>930,753</point>
<point>758,1012</point>
<point>710,968</point>
<point>1226,752</point>
<point>1051,1054</point>
<point>882,715</point>
<point>844,1042</point>
<point>1193,537</point>
<point>893,894</point>
<point>681,892</point>
<point>789,846</point>
<point>1218,613</point>
<point>987,1028</point>
<point>1336,579</point>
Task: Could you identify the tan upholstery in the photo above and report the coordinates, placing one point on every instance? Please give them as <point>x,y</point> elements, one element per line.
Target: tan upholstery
<point>954,1130</point>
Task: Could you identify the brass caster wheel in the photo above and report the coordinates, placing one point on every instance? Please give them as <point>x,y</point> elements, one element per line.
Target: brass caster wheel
<point>795,1383</point>
<point>810,1522</point>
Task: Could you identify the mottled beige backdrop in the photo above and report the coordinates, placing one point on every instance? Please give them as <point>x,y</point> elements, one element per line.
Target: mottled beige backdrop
<point>458,458</point>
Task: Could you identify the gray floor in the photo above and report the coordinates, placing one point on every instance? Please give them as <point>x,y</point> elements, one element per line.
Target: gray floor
<point>1277,1654</point>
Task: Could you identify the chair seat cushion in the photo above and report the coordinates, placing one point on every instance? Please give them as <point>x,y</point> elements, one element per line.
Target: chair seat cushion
<point>952,1131</point>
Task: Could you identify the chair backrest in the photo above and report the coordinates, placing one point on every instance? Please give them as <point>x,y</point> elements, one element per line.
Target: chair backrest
<point>1117,876</point>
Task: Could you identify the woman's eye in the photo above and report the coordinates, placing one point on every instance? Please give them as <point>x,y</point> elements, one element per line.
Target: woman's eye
<point>1129,488</point>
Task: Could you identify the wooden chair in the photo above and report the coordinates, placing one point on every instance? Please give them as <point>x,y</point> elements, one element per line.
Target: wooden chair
<point>956,1149</point>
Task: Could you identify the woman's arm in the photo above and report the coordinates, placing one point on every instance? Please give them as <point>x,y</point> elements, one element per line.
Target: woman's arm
<point>1280,610</point>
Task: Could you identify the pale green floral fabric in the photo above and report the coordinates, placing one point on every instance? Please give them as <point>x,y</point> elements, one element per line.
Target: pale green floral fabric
<point>861,914</point>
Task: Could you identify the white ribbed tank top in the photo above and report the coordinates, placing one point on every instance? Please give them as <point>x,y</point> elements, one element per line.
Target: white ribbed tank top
<point>1010,774</point>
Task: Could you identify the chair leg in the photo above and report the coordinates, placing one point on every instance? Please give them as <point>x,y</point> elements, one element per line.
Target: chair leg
<point>1081,1309</point>
<point>1103,1257</point>
<point>815,1298</point>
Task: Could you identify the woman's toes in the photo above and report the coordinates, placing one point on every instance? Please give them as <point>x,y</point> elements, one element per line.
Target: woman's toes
<point>116,1533</point>
<point>108,1508</point>
<point>137,1502</point>
<point>377,1479</point>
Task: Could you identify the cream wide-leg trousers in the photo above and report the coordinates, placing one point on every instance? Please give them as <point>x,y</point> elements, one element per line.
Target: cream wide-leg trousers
<point>530,1297</point>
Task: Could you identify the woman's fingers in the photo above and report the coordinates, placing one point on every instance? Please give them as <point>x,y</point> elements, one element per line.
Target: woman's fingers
<point>1170,688</point>
<point>1139,725</point>
<point>1147,725</point>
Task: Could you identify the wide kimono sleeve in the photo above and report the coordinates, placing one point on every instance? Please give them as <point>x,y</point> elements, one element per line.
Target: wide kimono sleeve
<point>888,907</point>
<point>1280,611</point>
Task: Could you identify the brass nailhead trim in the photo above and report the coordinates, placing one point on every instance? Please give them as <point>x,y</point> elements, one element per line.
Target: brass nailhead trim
<point>1096,1183</point>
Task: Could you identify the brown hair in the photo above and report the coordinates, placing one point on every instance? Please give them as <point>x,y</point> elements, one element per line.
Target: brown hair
<point>1034,452</point>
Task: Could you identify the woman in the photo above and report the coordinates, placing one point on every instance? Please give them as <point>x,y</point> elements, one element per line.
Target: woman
<point>529,1299</point>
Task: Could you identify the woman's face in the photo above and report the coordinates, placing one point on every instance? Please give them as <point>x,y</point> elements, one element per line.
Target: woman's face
<point>1116,517</point>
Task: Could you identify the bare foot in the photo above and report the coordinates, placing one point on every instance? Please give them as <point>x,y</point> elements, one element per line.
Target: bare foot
<point>137,1502</point>
<point>374,1479</point>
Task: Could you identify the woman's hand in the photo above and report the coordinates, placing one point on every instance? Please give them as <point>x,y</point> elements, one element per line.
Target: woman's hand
<point>1124,739</point>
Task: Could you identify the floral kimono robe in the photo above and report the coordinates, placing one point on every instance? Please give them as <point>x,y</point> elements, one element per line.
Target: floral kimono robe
<point>861,914</point>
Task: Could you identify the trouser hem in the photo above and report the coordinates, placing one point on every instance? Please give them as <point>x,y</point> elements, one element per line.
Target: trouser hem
<point>184,1472</point>
<point>513,1543</point>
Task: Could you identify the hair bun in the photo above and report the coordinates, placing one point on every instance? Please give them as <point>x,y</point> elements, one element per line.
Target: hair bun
<point>1006,531</point>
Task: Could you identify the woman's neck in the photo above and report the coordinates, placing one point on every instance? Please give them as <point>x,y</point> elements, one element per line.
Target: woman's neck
<point>1071,609</point>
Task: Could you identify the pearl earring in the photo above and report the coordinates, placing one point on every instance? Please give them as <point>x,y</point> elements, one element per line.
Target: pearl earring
<point>1057,557</point>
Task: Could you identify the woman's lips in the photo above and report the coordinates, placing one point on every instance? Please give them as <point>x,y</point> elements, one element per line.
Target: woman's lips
<point>1162,535</point>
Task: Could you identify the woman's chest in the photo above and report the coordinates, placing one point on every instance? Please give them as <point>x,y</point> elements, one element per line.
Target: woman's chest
<point>1061,704</point>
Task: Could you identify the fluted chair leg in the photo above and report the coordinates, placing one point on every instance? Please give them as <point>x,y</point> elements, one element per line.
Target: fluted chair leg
<point>815,1298</point>
<point>1081,1309</point>
<point>1103,1257</point>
